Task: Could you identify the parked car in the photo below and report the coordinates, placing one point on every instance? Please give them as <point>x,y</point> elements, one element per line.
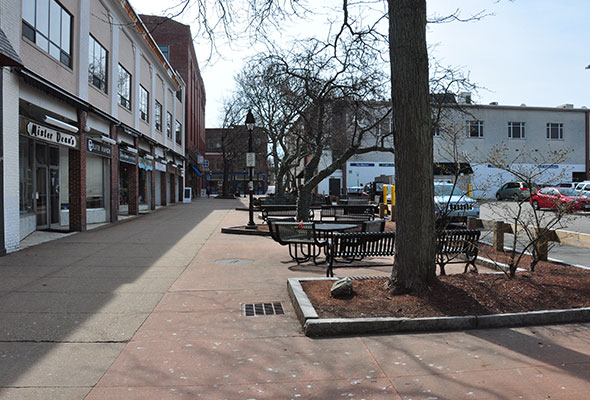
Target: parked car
<point>564,199</point>
<point>517,191</point>
<point>583,188</point>
<point>453,203</point>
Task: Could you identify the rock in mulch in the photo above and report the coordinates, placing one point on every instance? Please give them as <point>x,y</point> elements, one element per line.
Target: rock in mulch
<point>342,288</point>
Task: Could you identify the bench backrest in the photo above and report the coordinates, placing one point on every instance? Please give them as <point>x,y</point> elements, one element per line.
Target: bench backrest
<point>271,226</point>
<point>368,244</point>
<point>377,225</point>
<point>294,232</point>
<point>460,241</point>
<point>281,210</point>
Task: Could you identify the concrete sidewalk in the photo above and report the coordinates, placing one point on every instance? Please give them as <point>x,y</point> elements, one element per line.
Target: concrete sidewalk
<point>151,309</point>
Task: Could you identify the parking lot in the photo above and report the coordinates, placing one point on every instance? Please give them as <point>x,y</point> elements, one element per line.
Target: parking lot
<point>575,222</point>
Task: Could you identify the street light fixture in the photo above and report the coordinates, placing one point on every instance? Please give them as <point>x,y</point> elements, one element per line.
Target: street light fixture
<point>250,163</point>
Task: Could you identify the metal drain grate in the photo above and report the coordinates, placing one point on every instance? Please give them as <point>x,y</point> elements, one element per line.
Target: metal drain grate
<point>260,309</point>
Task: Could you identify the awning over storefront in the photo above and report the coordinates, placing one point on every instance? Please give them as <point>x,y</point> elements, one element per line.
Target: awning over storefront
<point>197,171</point>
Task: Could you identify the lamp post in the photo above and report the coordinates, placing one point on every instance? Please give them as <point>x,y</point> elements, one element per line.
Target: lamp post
<point>250,163</point>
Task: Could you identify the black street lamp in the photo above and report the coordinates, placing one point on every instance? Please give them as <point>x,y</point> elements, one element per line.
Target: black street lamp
<point>250,163</point>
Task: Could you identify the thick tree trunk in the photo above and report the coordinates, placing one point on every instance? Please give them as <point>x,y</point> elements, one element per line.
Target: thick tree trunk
<point>414,266</point>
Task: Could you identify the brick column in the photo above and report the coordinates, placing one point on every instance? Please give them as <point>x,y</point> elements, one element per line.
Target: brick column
<point>77,178</point>
<point>153,180</point>
<point>133,181</point>
<point>163,188</point>
<point>114,200</point>
<point>172,188</point>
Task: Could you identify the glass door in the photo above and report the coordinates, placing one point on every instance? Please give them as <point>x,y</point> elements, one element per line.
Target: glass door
<point>41,197</point>
<point>54,194</point>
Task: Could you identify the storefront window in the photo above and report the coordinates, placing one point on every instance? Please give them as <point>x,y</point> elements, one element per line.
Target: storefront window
<point>26,175</point>
<point>94,182</point>
<point>143,182</point>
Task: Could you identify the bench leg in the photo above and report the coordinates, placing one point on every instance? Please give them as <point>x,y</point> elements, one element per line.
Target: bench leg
<point>472,263</point>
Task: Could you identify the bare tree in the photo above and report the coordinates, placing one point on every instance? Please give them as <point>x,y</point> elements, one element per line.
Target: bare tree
<point>530,167</point>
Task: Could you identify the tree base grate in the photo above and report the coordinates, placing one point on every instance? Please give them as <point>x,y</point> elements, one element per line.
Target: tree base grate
<point>261,309</point>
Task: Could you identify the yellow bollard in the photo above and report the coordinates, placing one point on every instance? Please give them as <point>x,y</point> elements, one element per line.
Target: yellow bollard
<point>469,190</point>
<point>393,195</point>
<point>385,198</point>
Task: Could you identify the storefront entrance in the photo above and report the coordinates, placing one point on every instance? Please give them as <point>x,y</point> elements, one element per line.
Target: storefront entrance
<point>46,185</point>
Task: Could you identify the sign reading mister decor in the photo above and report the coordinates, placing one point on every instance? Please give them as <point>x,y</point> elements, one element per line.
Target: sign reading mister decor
<point>127,157</point>
<point>99,148</point>
<point>42,132</point>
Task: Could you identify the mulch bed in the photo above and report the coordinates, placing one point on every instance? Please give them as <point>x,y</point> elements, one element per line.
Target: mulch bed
<point>551,286</point>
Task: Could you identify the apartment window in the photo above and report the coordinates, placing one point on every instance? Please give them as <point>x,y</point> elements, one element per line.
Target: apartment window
<point>144,101</point>
<point>124,87</point>
<point>516,130</point>
<point>554,131</point>
<point>97,64</point>
<point>158,116</point>
<point>169,125</point>
<point>47,24</point>
<point>165,51</point>
<point>475,129</point>
<point>179,95</point>
<point>178,129</point>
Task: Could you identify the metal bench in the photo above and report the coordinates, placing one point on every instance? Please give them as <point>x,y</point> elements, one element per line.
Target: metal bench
<point>351,245</point>
<point>451,244</point>
<point>282,210</point>
<point>341,212</point>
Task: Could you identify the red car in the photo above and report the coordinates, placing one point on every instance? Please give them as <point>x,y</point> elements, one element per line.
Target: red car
<point>559,199</point>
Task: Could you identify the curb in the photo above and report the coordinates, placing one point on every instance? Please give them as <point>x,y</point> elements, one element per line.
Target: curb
<point>314,326</point>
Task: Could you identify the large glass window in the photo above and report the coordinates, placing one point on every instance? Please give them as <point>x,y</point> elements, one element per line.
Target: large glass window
<point>144,101</point>
<point>158,116</point>
<point>169,125</point>
<point>178,129</point>
<point>97,64</point>
<point>124,87</point>
<point>555,131</point>
<point>26,175</point>
<point>516,130</point>
<point>94,181</point>
<point>47,24</point>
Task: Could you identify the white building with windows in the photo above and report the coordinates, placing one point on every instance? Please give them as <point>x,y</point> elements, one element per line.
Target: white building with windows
<point>552,142</point>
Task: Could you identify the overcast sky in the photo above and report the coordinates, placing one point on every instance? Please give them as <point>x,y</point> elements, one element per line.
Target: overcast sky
<point>528,51</point>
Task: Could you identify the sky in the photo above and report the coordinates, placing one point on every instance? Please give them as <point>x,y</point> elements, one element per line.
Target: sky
<point>529,52</point>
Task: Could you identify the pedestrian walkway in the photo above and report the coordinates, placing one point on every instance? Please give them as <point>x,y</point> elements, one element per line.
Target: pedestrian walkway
<point>152,309</point>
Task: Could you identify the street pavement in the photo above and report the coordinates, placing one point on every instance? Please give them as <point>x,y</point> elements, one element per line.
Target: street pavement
<point>151,309</point>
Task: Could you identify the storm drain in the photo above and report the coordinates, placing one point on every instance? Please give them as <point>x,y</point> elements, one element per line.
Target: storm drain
<point>260,309</point>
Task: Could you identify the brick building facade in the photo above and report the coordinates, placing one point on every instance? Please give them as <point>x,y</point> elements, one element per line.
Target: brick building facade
<point>176,42</point>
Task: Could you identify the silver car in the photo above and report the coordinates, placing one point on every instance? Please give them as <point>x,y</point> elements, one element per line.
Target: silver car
<point>453,203</point>
<point>517,191</point>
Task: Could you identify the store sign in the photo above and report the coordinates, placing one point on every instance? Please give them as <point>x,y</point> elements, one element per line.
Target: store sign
<point>42,132</point>
<point>146,164</point>
<point>99,148</point>
<point>250,159</point>
<point>160,167</point>
<point>127,157</point>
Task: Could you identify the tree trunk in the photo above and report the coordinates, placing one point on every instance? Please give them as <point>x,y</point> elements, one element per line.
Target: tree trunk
<point>414,266</point>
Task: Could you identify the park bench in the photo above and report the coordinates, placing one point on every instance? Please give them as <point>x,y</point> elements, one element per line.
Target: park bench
<point>450,246</point>
<point>282,210</point>
<point>300,237</point>
<point>341,212</point>
<point>453,245</point>
<point>356,245</point>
